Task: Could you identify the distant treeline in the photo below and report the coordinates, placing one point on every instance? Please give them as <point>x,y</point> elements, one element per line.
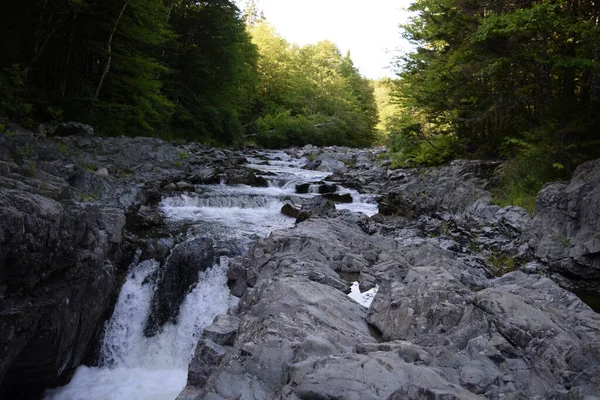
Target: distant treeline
<point>177,69</point>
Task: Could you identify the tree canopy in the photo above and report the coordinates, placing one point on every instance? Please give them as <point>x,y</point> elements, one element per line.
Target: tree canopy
<point>518,80</point>
<point>199,70</point>
<point>311,94</point>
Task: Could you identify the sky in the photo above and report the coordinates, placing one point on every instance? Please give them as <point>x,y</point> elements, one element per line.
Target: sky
<point>368,29</point>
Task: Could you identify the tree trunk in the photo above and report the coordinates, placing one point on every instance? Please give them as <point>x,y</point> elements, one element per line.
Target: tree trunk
<point>109,48</point>
<point>545,90</point>
<point>63,83</point>
<point>595,86</point>
<point>40,47</point>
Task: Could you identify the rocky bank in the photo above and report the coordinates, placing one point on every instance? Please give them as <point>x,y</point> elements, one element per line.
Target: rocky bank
<point>472,298</point>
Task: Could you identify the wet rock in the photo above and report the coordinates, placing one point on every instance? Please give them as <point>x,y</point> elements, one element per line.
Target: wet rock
<point>290,210</point>
<point>329,161</point>
<point>205,175</point>
<point>223,330</point>
<point>315,207</point>
<point>245,176</point>
<point>206,358</point>
<point>177,278</point>
<point>58,280</point>
<point>171,187</point>
<point>366,282</point>
<point>339,198</point>
<point>327,188</point>
<point>302,188</point>
<point>185,186</point>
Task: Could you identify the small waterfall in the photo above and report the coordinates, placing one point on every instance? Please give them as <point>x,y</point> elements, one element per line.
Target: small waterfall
<point>133,366</point>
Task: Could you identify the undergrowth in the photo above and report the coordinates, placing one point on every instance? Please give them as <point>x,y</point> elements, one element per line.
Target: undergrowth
<point>524,174</point>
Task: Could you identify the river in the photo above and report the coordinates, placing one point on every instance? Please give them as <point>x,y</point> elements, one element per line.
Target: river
<point>132,366</point>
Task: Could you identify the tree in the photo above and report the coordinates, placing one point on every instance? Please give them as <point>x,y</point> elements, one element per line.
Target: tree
<point>310,94</point>
<point>215,71</point>
<point>505,79</point>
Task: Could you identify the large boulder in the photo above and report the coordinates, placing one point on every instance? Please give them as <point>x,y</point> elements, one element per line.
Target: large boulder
<point>566,228</point>
<point>58,266</point>
<point>72,128</point>
<point>450,189</point>
<point>177,278</point>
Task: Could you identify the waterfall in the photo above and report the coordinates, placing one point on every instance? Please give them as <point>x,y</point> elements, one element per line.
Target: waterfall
<point>132,366</point>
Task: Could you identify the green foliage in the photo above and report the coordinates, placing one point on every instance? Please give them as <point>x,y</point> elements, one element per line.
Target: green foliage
<point>282,129</point>
<point>531,164</point>
<point>55,114</point>
<point>411,151</point>
<point>13,87</point>
<point>501,264</point>
<point>309,95</point>
<point>136,67</point>
<point>215,80</point>
<point>511,80</point>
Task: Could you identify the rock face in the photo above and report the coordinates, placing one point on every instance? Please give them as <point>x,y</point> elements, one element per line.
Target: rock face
<point>74,209</point>
<point>441,326</point>
<point>59,264</point>
<point>465,307</point>
<point>566,227</point>
<point>178,276</point>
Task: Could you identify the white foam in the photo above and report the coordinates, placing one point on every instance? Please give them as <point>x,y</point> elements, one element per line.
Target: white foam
<point>137,367</point>
<point>365,298</point>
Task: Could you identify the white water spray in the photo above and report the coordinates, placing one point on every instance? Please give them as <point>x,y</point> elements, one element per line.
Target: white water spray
<point>134,367</point>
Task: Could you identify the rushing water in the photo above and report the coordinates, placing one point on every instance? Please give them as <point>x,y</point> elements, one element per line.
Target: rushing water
<point>133,366</point>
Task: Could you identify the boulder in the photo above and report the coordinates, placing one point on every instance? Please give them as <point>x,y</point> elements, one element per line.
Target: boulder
<point>177,278</point>
<point>302,188</point>
<point>72,128</point>
<point>185,186</point>
<point>223,330</point>
<point>290,210</point>
<point>565,230</point>
<point>207,357</point>
<point>58,264</point>
<point>317,206</point>
<point>339,198</point>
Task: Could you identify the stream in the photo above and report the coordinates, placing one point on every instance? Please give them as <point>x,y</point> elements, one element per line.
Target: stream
<point>133,366</point>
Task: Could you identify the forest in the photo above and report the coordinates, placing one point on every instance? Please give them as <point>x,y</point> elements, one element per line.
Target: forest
<point>198,70</point>
<point>514,80</point>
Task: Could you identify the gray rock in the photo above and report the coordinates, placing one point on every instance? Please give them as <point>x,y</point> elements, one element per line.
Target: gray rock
<point>47,325</point>
<point>427,192</point>
<point>177,278</point>
<point>207,357</point>
<point>315,207</point>
<point>371,376</point>
<point>103,172</point>
<point>74,129</point>
<point>565,230</point>
<point>290,210</point>
<point>223,330</point>
<point>185,186</point>
<point>171,187</point>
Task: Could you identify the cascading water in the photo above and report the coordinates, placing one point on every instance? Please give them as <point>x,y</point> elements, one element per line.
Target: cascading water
<point>133,366</point>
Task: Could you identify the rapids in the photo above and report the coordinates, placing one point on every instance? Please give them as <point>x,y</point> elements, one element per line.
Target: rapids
<point>132,366</point>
